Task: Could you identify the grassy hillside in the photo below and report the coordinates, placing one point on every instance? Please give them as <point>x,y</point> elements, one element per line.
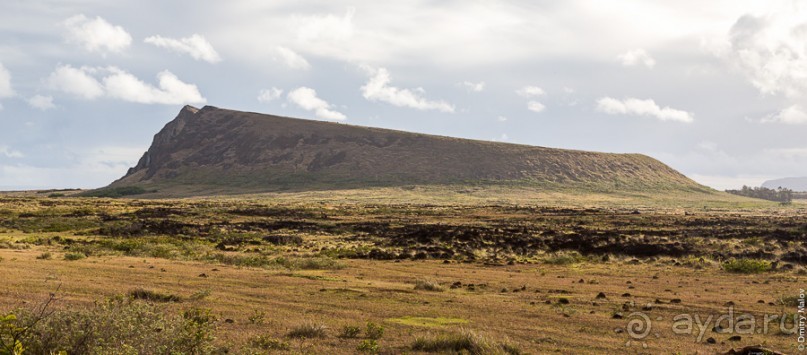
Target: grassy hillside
<point>216,151</point>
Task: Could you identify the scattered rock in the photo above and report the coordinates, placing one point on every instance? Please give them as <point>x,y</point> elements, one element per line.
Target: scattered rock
<point>202,275</point>
<point>626,294</point>
<point>751,350</point>
<point>601,295</point>
<point>648,307</point>
<point>728,304</point>
<point>563,300</point>
<point>711,340</point>
<point>228,320</point>
<point>457,284</point>
<point>619,330</point>
<point>735,338</point>
<point>675,300</point>
<point>617,315</point>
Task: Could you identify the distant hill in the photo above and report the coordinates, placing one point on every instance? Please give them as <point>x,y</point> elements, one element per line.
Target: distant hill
<point>798,184</point>
<point>218,151</point>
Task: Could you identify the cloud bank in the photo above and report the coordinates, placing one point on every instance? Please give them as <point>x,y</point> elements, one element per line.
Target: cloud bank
<point>196,46</point>
<point>96,35</point>
<point>306,98</point>
<point>119,84</point>
<point>646,108</point>
<point>378,88</point>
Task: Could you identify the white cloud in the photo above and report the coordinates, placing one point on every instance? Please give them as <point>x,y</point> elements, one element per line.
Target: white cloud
<point>196,46</point>
<point>96,35</point>
<point>267,95</point>
<point>770,51</point>
<point>119,84</point>
<point>291,59</point>
<point>637,57</point>
<point>5,82</point>
<point>377,89</point>
<point>75,81</point>
<point>41,102</point>
<point>638,107</point>
<point>306,98</point>
<point>792,115</point>
<point>171,90</point>
<point>531,91</point>
<point>324,27</point>
<point>501,119</point>
<point>535,106</point>
<point>473,87</point>
<point>10,153</point>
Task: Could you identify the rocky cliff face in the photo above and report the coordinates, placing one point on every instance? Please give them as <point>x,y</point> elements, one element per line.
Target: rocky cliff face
<point>243,151</point>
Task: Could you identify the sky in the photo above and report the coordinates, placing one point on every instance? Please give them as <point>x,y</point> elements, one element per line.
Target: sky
<point>717,89</point>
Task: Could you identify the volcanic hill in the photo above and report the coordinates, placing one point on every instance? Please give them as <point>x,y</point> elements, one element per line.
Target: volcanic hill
<point>219,151</point>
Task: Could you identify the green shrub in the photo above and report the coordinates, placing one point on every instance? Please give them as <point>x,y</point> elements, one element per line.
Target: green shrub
<point>74,256</point>
<point>368,346</point>
<point>115,192</point>
<point>266,342</point>
<point>374,331</point>
<point>149,295</point>
<point>567,258</point>
<point>257,317</point>
<point>350,331</point>
<point>311,263</point>
<point>428,286</point>
<point>747,266</point>
<point>308,330</point>
<point>116,326</point>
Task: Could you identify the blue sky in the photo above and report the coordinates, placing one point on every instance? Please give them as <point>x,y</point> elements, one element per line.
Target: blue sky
<point>717,90</point>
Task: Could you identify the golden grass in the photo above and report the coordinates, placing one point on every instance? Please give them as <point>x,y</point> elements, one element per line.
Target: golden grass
<point>381,291</point>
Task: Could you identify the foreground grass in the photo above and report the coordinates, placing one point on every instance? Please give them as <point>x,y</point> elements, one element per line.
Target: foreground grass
<point>378,278</point>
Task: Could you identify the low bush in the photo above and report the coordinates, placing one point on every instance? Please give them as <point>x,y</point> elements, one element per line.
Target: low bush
<point>567,258</point>
<point>120,326</point>
<point>350,331</point>
<point>149,295</point>
<point>74,256</point>
<point>464,341</point>
<point>428,286</point>
<point>45,256</point>
<point>368,346</point>
<point>308,330</point>
<point>266,342</point>
<point>115,192</point>
<point>374,331</point>
<point>747,266</point>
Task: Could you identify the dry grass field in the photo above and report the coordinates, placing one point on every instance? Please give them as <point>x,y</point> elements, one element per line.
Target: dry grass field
<point>347,273</point>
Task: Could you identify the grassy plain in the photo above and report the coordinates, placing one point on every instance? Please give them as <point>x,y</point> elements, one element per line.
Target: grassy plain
<point>452,270</point>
